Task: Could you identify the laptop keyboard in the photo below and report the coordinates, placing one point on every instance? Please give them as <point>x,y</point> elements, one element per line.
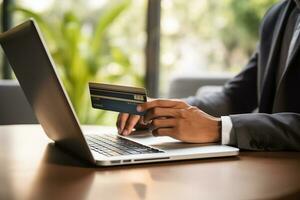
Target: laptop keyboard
<point>112,145</point>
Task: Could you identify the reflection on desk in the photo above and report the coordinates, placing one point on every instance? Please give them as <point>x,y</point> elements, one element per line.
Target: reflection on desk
<point>34,168</point>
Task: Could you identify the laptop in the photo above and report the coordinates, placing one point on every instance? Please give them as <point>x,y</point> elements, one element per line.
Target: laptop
<point>37,75</point>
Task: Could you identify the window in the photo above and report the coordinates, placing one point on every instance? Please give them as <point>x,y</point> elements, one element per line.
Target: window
<point>204,37</point>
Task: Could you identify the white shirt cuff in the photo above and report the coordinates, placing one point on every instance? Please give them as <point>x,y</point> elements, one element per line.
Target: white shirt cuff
<point>226,129</point>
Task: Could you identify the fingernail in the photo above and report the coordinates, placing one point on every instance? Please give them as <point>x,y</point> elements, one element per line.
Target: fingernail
<point>125,132</point>
<point>139,108</point>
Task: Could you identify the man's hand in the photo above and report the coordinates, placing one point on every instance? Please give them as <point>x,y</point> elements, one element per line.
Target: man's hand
<point>176,119</point>
<point>181,121</point>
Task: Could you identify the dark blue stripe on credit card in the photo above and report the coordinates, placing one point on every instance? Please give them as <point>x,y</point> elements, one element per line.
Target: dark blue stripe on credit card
<point>117,106</point>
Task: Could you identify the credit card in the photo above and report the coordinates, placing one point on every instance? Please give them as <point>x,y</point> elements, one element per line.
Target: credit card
<point>117,98</point>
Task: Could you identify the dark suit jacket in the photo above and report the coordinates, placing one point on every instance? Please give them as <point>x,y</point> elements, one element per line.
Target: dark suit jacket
<point>276,126</point>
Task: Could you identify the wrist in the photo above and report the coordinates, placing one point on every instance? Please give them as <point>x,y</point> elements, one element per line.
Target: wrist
<point>217,132</point>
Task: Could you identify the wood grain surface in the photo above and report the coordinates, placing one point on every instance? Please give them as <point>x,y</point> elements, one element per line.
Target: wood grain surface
<point>32,167</point>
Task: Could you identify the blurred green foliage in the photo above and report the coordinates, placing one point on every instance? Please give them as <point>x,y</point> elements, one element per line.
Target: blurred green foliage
<point>244,17</point>
<point>209,36</point>
<point>241,30</point>
<point>82,56</point>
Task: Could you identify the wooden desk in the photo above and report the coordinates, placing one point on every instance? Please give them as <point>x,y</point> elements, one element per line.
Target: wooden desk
<point>32,168</point>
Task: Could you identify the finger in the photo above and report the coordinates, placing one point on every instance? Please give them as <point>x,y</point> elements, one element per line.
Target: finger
<point>119,120</point>
<point>142,121</point>
<point>122,119</point>
<point>163,132</point>
<point>164,123</point>
<point>141,125</point>
<point>150,99</point>
<point>161,103</point>
<point>161,112</point>
<point>131,122</point>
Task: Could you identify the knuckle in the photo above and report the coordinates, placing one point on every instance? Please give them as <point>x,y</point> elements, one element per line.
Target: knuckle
<point>145,106</point>
<point>193,108</point>
<point>155,122</point>
<point>155,111</point>
<point>152,103</point>
<point>182,103</point>
<point>158,102</point>
<point>182,113</point>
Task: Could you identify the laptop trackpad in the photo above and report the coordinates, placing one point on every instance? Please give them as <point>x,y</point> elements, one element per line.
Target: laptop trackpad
<point>164,143</point>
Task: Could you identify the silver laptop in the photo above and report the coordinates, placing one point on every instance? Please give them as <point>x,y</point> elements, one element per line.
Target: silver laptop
<point>36,73</point>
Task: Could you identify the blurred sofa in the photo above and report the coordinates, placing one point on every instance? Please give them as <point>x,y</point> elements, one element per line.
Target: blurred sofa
<point>186,86</point>
<point>14,108</point>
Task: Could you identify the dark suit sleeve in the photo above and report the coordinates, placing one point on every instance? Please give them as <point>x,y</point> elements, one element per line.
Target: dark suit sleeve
<point>251,131</point>
<point>239,95</point>
<point>270,132</point>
